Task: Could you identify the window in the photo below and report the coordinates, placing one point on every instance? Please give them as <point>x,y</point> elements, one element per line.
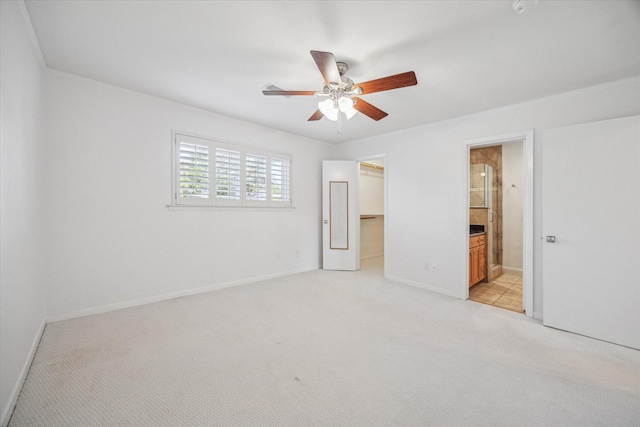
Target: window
<point>280,179</point>
<point>256,176</point>
<point>227,174</point>
<point>214,173</point>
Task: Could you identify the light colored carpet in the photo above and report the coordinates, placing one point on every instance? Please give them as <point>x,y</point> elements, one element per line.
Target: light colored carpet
<point>325,349</point>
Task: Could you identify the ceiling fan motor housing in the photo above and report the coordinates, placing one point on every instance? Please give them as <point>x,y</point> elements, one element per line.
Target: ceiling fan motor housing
<point>342,67</point>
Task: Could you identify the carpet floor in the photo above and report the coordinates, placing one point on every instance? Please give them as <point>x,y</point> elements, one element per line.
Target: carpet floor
<point>324,348</point>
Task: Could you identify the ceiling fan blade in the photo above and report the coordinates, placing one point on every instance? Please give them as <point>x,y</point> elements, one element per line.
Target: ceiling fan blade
<point>316,116</point>
<point>288,92</point>
<point>387,83</point>
<point>328,68</point>
<point>369,110</point>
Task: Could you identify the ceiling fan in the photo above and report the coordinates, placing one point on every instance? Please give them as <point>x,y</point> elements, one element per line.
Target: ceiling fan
<point>342,95</point>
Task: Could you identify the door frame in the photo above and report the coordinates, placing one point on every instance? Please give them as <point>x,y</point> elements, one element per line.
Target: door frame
<point>384,228</point>
<point>526,137</point>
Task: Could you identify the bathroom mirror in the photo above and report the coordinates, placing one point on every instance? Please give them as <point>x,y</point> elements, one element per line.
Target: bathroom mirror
<point>479,185</point>
<point>339,215</point>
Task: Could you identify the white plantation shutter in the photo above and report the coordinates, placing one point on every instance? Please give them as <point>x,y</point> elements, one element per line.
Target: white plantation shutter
<point>193,171</point>
<point>280,180</point>
<point>214,173</point>
<point>256,177</point>
<point>228,174</point>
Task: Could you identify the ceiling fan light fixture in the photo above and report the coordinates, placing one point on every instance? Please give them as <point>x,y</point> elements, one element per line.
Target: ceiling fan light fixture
<point>328,109</point>
<point>346,106</point>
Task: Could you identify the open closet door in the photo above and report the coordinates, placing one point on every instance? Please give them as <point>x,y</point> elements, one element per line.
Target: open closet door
<point>591,221</point>
<point>340,215</point>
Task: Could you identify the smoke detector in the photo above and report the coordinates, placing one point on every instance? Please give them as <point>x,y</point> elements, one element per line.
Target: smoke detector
<point>521,6</point>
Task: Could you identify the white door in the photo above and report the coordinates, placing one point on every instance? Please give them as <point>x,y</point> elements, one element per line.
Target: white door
<point>591,207</point>
<point>340,215</point>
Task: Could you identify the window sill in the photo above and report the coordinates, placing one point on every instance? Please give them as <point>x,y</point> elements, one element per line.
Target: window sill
<point>205,208</point>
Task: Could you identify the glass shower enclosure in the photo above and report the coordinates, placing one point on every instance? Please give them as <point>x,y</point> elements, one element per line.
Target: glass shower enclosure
<point>484,193</point>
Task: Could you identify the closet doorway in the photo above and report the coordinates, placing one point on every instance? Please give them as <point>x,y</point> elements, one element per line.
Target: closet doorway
<point>372,199</point>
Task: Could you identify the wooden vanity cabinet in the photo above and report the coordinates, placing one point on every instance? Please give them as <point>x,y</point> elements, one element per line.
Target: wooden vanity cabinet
<point>477,259</point>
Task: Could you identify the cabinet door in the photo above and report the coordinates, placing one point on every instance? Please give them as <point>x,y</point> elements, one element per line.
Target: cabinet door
<point>482,262</point>
<point>473,266</point>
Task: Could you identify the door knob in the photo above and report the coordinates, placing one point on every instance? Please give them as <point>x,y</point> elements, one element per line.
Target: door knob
<point>551,239</point>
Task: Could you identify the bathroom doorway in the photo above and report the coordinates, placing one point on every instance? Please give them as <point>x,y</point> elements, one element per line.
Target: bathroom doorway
<point>497,192</point>
<point>486,205</point>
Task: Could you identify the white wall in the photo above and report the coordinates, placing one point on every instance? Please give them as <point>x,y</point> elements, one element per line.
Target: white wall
<point>22,297</point>
<point>512,199</point>
<point>112,242</point>
<point>371,191</point>
<point>426,180</point>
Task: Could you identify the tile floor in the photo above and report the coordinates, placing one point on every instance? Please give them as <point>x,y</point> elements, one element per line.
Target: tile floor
<point>504,292</point>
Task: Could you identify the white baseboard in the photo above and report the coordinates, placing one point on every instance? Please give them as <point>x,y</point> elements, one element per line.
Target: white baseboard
<point>537,315</point>
<point>432,288</point>
<point>163,297</point>
<point>7,411</point>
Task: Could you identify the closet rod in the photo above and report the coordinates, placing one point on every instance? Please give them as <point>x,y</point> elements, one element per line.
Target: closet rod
<point>371,165</point>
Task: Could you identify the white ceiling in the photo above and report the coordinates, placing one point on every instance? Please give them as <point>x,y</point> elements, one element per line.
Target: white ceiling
<point>468,56</point>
